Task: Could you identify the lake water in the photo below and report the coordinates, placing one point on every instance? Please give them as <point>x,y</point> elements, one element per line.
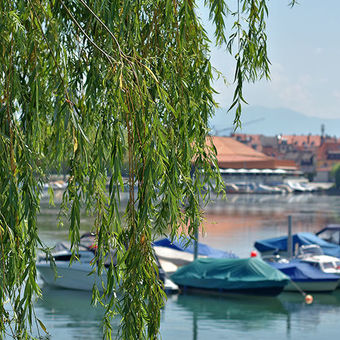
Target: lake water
<point>233,225</point>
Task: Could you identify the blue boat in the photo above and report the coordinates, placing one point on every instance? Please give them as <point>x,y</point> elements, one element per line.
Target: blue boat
<point>180,252</point>
<point>306,277</point>
<point>188,246</point>
<point>247,276</point>
<point>279,244</point>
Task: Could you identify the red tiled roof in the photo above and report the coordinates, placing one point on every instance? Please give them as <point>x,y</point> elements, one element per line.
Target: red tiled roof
<point>233,154</point>
<point>326,148</point>
<point>310,140</point>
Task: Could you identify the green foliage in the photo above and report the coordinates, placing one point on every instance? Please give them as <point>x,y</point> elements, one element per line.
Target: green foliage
<point>95,86</point>
<point>336,175</point>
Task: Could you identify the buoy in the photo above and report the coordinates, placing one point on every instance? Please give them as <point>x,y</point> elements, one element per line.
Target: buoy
<point>309,299</point>
<point>253,253</point>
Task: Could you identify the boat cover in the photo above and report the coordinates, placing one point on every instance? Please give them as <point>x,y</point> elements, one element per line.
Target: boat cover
<point>280,244</point>
<point>188,245</point>
<point>301,271</point>
<point>229,274</point>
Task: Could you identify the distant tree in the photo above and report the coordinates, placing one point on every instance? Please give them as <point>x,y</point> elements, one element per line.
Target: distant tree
<point>84,83</point>
<point>336,175</point>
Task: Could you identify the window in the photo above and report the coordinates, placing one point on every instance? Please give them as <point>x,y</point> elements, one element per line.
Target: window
<point>328,265</point>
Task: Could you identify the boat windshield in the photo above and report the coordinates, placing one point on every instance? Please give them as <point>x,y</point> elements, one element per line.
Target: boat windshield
<point>328,265</point>
<point>310,250</point>
<point>88,241</point>
<point>330,235</point>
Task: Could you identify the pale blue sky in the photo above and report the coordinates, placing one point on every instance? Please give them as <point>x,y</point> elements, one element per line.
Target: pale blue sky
<point>304,49</point>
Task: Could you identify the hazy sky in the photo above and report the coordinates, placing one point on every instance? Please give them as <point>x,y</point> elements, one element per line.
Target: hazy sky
<point>304,50</point>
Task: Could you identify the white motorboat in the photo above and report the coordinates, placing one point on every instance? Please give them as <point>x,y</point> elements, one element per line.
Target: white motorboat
<point>76,276</point>
<point>72,276</point>
<point>171,259</point>
<point>81,274</point>
<point>310,270</point>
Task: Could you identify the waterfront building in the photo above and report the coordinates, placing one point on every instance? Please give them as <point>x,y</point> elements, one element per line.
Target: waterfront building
<point>240,163</point>
<point>315,155</point>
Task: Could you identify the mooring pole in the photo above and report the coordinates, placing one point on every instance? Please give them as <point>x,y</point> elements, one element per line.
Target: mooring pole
<point>196,245</point>
<point>290,239</point>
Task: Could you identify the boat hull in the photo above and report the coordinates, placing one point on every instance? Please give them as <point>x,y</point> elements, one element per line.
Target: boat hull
<point>263,291</point>
<point>312,286</point>
<point>306,277</point>
<point>77,276</point>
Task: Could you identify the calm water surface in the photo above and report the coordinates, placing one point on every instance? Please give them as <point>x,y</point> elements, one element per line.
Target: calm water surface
<point>232,225</point>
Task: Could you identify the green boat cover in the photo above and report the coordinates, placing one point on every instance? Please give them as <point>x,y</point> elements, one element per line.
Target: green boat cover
<point>229,274</point>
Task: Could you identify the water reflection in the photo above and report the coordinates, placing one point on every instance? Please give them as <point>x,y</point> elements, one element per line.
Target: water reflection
<point>230,316</point>
<point>226,317</point>
<point>246,311</point>
<point>69,314</point>
<point>313,317</point>
<point>267,204</point>
<point>237,223</point>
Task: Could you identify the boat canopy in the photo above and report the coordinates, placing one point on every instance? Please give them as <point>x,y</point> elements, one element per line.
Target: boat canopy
<point>280,244</point>
<point>229,274</point>
<point>302,272</point>
<point>188,245</point>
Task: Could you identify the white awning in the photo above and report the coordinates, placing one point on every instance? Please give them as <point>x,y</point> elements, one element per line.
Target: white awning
<point>279,171</point>
<point>242,171</point>
<point>255,171</point>
<point>267,171</point>
<point>228,171</point>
